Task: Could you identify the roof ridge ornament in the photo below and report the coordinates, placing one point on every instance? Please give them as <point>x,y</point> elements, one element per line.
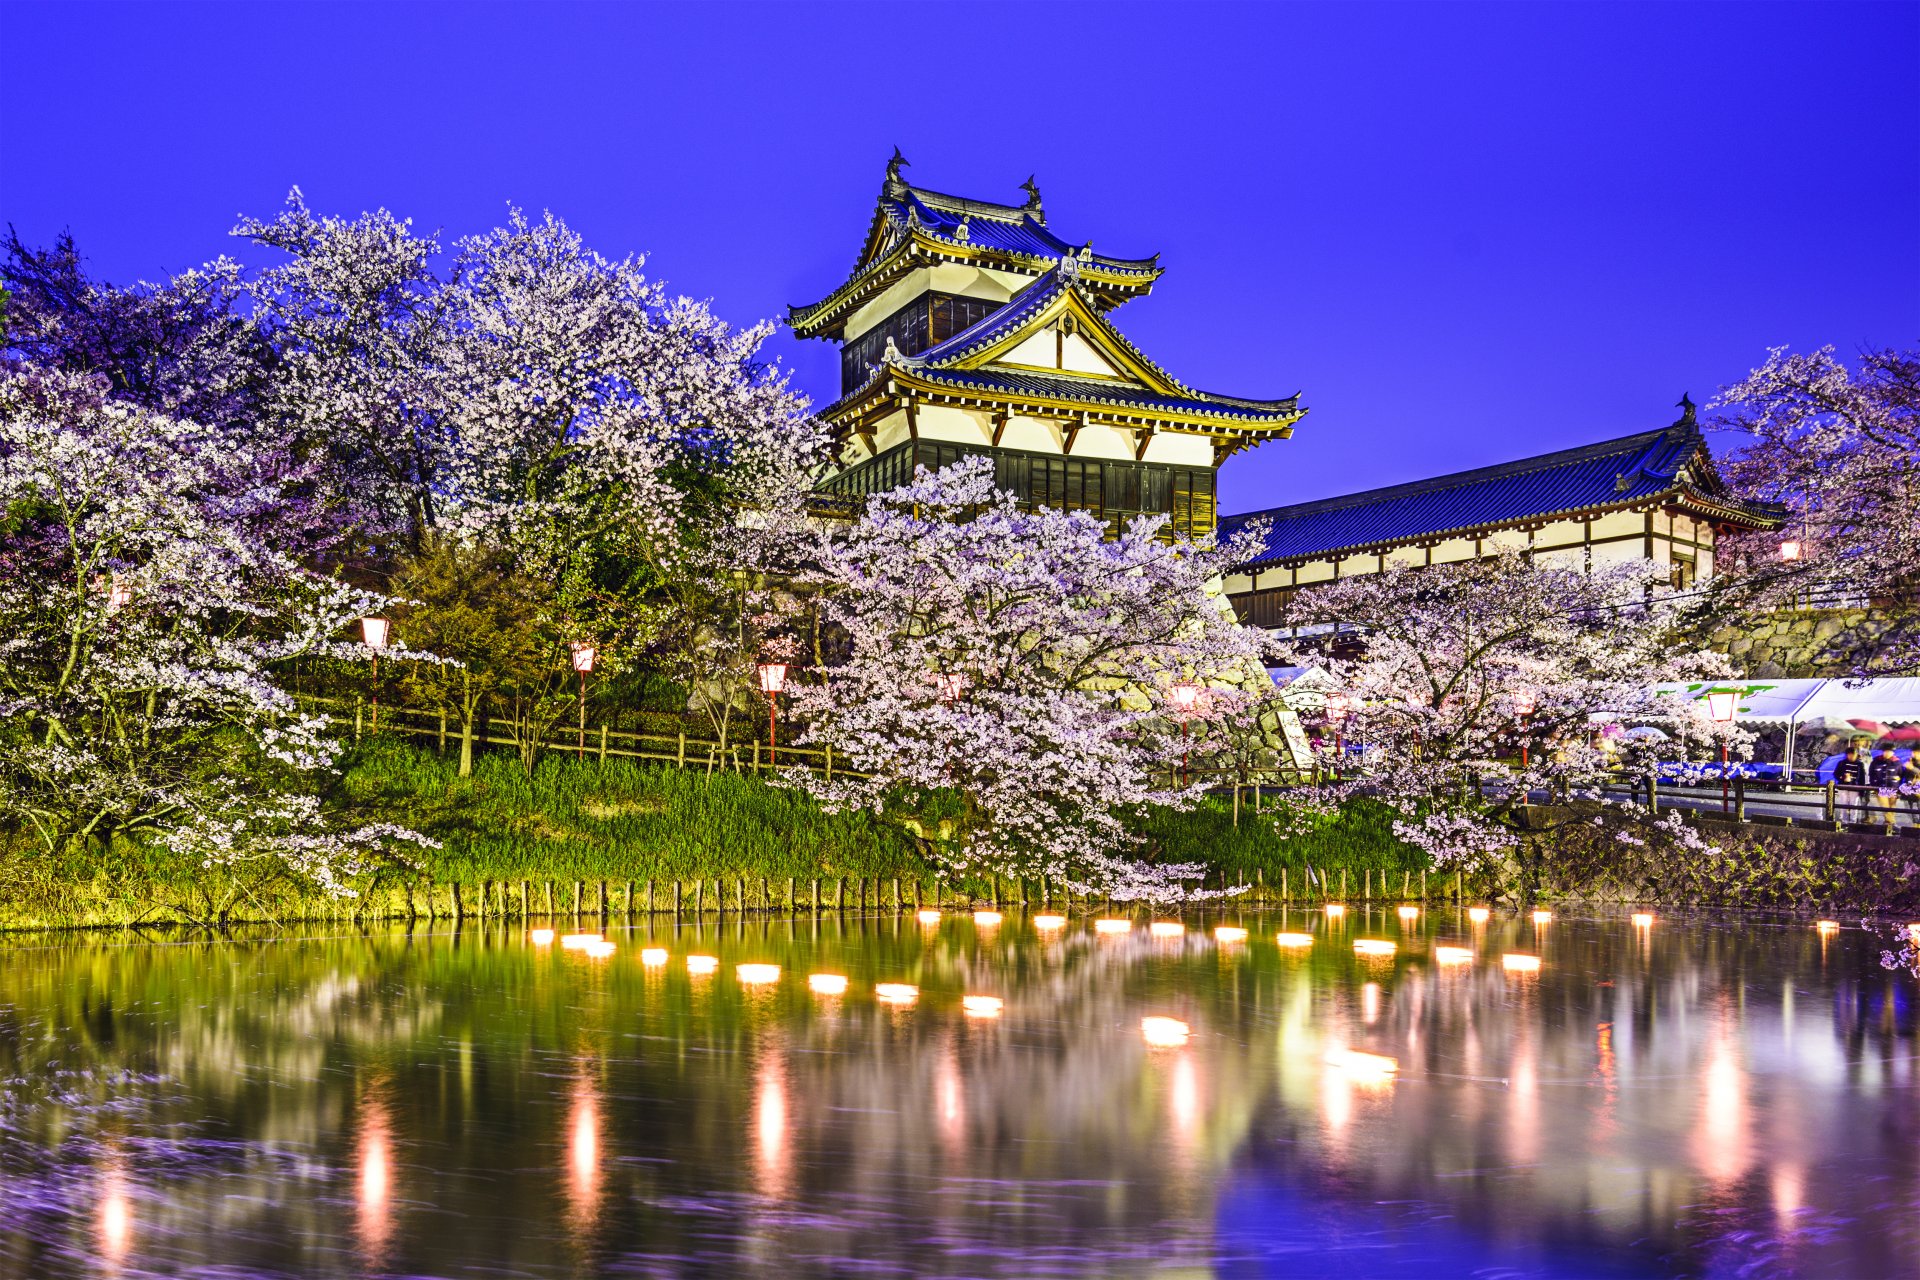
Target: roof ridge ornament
<point>1069,267</point>
<point>892,354</point>
<point>1687,411</point>
<point>1033,200</point>
<point>896,186</point>
<point>1086,252</point>
<point>963,233</point>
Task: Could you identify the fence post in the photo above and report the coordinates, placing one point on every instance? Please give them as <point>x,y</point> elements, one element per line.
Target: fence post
<point>680,756</point>
<point>603,744</point>
<point>1653,796</point>
<point>1740,799</point>
<point>756,755</point>
<point>1833,810</point>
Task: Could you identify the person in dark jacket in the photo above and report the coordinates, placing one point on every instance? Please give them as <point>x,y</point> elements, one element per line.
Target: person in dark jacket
<point>1883,774</point>
<point>1910,780</point>
<point>1851,771</point>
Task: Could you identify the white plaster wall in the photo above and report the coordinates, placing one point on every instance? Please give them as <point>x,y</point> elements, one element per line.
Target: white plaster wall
<point>946,277</point>
<point>1036,349</point>
<point>1407,555</point>
<point>1031,434</point>
<point>1238,583</point>
<point>1079,356</point>
<point>1613,553</point>
<point>1561,532</point>
<point>1617,523</point>
<point>948,422</point>
<point>1315,571</point>
<point>1180,449</point>
<point>1513,539</point>
<point>1453,549</point>
<point>1569,558</point>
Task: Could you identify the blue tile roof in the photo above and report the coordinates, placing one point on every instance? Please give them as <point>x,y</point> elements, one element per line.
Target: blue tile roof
<point>1121,395</point>
<point>1001,227</point>
<point>1629,471</point>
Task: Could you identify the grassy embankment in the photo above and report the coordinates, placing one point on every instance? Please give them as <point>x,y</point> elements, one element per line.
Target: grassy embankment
<point>585,821</point>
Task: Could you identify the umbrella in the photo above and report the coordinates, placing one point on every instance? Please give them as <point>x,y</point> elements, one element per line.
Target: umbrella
<point>1647,733</point>
<point>1905,733</point>
<point>1873,727</point>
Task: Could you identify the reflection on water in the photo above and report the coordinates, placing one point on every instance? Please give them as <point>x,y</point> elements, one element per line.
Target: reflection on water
<point>1654,1098</point>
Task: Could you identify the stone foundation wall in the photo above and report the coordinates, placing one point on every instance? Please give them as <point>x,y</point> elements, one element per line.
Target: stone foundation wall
<point>1804,642</point>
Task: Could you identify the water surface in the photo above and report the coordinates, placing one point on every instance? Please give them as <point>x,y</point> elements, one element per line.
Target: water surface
<point>1689,1098</point>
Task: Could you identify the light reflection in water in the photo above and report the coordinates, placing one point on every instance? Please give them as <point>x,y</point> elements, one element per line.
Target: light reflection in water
<point>115,1227</point>
<point>583,1152</point>
<point>375,1183</point>
<point>1657,1106</point>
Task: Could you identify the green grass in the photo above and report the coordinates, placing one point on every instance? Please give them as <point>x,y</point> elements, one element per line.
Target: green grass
<point>584,819</point>
<point>618,821</point>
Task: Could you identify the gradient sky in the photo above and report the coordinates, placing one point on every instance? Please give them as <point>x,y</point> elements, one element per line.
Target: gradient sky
<point>1463,233</point>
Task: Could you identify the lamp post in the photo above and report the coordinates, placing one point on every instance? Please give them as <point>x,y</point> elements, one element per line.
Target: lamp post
<point>1721,704</point>
<point>773,678</point>
<point>583,655</point>
<point>1185,695</point>
<point>373,632</point>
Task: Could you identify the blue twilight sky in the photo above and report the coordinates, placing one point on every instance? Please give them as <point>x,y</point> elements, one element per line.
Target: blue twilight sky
<point>1464,233</point>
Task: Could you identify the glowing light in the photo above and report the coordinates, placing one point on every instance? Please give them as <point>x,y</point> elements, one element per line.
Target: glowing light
<point>1543,917</point>
<point>1409,913</point>
<point>828,984</point>
<point>1294,939</point>
<point>987,919</point>
<point>1370,1003</point>
<point>1827,926</point>
<point>116,1217</point>
<point>376,1181</point>
<point>1184,1097</point>
<point>600,949</point>
<point>1453,955</point>
<point>1229,933</point>
<point>896,992</point>
<point>1479,915</point>
<point>754,975</point>
<point>928,916</point>
<point>1336,908</point>
<point>982,1006</point>
<point>1518,963</point>
<point>1643,919</point>
<point>1164,1033</point>
<point>1913,931</point>
<point>653,956</point>
<point>583,1151</point>
<point>1376,1066</point>
<point>541,937</point>
<point>702,964</point>
<point>1113,926</point>
<point>579,941</point>
<point>1373,946</point>
<point>1166,929</point>
<point>1049,922</point>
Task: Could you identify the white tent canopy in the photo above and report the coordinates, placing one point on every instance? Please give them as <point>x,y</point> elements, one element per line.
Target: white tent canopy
<point>1889,701</point>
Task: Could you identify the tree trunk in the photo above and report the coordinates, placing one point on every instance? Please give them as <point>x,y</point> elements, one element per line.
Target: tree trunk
<point>466,748</point>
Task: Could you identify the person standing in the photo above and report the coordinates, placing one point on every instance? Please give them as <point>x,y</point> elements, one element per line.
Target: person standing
<point>1910,783</point>
<point>1883,775</point>
<point>1851,773</point>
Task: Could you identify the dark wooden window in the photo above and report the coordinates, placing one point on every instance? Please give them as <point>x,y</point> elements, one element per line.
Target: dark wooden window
<point>928,319</point>
<point>1111,489</point>
<point>1263,608</point>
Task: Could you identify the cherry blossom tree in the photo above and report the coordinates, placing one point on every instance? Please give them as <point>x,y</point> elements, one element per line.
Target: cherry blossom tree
<point>1841,447</point>
<point>1473,688</point>
<point>1006,678</point>
<point>144,601</point>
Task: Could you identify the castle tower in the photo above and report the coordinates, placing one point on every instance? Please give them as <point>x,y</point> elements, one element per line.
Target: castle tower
<point>972,328</point>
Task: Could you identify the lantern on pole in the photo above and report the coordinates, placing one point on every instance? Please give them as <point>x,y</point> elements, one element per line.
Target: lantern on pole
<point>1790,549</point>
<point>773,678</point>
<point>583,654</point>
<point>373,633</point>
<point>951,685</point>
<point>1185,696</point>
<point>119,593</point>
<point>1523,705</point>
<point>1721,705</point>
<point>1336,713</point>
